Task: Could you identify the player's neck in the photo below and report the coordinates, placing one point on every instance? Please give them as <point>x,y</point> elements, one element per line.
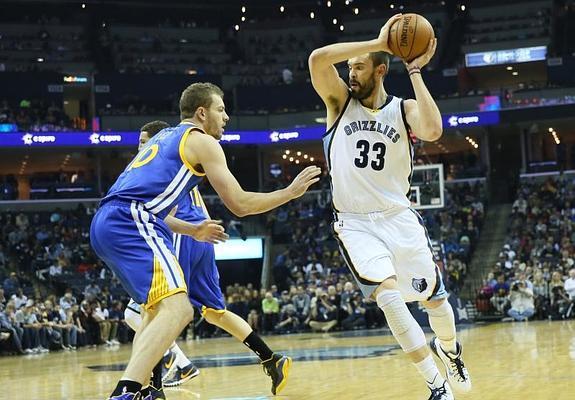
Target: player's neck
<point>376,99</point>
<point>192,120</point>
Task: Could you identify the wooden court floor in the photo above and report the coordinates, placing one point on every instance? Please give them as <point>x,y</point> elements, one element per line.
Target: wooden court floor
<point>534,360</point>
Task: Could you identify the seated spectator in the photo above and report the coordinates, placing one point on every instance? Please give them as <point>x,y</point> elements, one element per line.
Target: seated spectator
<point>541,295</point>
<point>59,320</point>
<point>12,336</point>
<point>561,304</point>
<point>19,299</point>
<point>289,322</point>
<point>522,303</point>
<point>100,315</point>
<point>270,312</point>
<point>284,299</point>
<point>356,313</point>
<point>68,300</point>
<point>323,316</point>
<point>35,338</point>
<point>238,305</point>
<point>91,291</point>
<point>84,320</point>
<point>569,284</point>
<point>301,302</point>
<point>499,299</point>
<point>119,328</point>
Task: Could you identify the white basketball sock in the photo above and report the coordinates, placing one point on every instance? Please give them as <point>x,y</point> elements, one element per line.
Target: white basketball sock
<point>442,321</point>
<point>429,371</point>
<point>181,359</point>
<point>405,329</point>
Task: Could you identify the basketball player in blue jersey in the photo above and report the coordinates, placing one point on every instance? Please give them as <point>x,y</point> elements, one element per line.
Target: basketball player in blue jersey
<point>205,293</point>
<point>382,239</point>
<point>132,230</point>
<point>174,359</point>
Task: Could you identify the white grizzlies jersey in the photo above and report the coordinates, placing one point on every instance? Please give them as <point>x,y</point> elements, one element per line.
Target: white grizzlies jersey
<point>370,158</point>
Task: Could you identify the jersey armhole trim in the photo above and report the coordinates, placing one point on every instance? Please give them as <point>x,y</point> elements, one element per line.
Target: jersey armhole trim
<point>182,155</point>
<point>409,144</point>
<point>404,118</point>
<point>336,123</point>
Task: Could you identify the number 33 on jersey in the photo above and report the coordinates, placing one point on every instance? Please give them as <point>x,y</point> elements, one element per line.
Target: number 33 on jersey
<point>370,157</point>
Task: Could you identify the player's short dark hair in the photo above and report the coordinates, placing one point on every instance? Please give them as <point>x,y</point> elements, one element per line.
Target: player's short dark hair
<point>380,57</point>
<point>197,95</point>
<point>151,128</point>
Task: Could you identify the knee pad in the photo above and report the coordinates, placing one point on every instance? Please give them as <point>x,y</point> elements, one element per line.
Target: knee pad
<point>405,329</point>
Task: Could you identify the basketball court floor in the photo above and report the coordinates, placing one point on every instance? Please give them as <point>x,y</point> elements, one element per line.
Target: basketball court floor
<point>527,361</point>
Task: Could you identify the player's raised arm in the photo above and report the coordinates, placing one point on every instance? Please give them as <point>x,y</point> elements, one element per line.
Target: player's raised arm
<point>213,160</point>
<point>422,114</point>
<point>324,77</point>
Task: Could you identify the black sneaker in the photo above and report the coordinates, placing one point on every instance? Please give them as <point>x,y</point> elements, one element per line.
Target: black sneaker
<point>182,375</point>
<point>277,368</point>
<point>157,393</point>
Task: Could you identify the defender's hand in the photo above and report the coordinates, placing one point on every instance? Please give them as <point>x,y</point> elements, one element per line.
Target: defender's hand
<point>210,231</point>
<point>383,37</point>
<point>303,181</point>
<point>423,59</point>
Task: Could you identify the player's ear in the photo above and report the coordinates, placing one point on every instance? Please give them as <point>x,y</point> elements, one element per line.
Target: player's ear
<point>201,113</point>
<point>382,70</point>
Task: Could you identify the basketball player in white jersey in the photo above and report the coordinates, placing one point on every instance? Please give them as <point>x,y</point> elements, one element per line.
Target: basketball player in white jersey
<point>383,240</point>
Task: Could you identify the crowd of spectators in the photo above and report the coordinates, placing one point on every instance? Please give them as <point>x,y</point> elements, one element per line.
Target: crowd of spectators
<point>47,253</point>
<point>313,253</point>
<point>39,324</point>
<point>44,253</point>
<point>37,116</point>
<point>320,305</point>
<point>535,274</point>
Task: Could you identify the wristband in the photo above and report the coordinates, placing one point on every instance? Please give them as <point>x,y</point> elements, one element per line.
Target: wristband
<point>414,70</point>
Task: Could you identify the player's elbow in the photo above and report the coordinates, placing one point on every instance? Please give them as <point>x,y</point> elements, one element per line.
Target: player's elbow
<point>316,59</point>
<point>238,209</point>
<point>435,134</point>
<point>431,133</point>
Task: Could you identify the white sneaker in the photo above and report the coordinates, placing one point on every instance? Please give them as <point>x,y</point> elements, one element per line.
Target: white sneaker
<point>441,393</point>
<point>457,374</point>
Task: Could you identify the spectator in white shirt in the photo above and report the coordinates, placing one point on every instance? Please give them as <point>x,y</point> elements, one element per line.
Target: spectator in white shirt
<point>570,284</point>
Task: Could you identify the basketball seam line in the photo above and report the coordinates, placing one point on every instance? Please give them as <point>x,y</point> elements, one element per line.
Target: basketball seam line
<point>414,36</point>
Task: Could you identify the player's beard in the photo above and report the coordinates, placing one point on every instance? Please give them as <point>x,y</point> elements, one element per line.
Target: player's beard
<point>213,129</point>
<point>365,89</point>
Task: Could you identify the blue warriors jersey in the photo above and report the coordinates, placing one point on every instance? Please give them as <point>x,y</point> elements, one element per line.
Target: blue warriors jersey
<point>159,176</point>
<point>192,208</point>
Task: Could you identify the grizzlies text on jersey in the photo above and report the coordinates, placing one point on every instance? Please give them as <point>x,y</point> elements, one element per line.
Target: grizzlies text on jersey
<point>369,156</point>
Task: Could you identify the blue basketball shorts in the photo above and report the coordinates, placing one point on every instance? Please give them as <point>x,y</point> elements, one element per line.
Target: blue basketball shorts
<point>202,277</point>
<point>137,247</point>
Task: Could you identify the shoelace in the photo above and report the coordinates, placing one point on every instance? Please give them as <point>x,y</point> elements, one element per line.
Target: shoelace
<point>460,367</point>
<point>440,391</point>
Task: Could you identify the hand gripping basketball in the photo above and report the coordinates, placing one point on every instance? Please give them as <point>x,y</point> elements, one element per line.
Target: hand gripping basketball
<point>383,38</point>
<point>423,59</point>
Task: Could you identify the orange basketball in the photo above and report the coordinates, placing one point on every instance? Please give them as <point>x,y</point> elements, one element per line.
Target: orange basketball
<point>409,36</point>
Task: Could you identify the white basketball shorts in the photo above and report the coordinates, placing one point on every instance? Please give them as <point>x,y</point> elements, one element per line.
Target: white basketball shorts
<point>378,246</point>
